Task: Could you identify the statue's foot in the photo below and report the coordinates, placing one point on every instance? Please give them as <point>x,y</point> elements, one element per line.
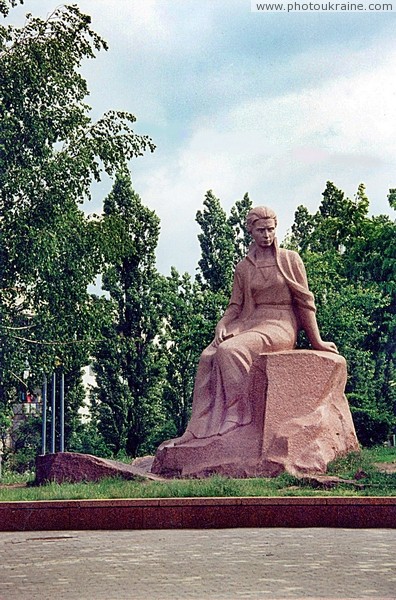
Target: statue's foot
<point>165,444</point>
<point>227,427</point>
<point>186,437</point>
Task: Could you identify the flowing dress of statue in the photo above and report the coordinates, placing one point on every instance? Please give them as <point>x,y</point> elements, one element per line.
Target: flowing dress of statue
<point>270,302</point>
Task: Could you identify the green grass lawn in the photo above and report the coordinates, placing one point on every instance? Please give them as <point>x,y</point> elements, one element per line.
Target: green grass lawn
<point>358,467</point>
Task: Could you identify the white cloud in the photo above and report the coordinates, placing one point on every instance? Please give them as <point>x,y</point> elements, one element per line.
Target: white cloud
<point>282,150</point>
<point>155,26</point>
<point>239,103</point>
<point>351,114</point>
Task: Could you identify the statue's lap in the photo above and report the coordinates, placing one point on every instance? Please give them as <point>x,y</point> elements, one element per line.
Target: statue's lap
<point>301,421</point>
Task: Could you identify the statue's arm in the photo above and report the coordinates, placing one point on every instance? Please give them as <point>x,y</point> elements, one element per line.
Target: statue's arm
<point>233,310</point>
<point>309,324</point>
<point>231,314</point>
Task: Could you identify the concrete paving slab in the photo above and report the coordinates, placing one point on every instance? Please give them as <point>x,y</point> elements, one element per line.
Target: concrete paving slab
<point>215,564</point>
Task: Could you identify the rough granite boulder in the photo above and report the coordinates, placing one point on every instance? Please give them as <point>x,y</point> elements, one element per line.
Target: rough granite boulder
<point>301,422</point>
<point>74,467</point>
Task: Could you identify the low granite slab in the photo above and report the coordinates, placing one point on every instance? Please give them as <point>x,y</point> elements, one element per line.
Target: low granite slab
<point>73,467</point>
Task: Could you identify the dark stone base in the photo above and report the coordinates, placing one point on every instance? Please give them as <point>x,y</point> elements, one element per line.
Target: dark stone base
<point>198,513</point>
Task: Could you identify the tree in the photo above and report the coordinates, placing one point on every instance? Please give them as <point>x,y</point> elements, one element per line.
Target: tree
<point>26,442</point>
<point>127,363</point>
<point>217,247</point>
<point>301,230</point>
<point>371,261</point>
<point>6,5</point>
<point>50,153</point>
<point>351,268</point>
<point>237,220</point>
<point>223,240</point>
<point>50,146</point>
<point>188,328</point>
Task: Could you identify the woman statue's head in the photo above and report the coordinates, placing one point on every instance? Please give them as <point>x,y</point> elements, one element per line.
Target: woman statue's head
<point>259,212</point>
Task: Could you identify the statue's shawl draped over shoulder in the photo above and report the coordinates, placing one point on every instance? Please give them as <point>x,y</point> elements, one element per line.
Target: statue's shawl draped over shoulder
<point>292,268</point>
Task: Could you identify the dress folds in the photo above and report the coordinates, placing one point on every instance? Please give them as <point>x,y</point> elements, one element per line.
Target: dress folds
<point>262,317</point>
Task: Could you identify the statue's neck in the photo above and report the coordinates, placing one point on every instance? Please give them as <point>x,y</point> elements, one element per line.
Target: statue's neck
<point>265,254</point>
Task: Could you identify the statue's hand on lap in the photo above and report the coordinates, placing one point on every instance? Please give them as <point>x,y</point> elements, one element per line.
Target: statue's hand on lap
<point>220,334</point>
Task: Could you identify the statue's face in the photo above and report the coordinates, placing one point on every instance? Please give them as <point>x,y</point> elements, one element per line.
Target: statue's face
<point>263,232</point>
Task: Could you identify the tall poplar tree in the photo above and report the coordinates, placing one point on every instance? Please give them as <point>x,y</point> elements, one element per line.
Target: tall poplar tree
<point>127,363</point>
<point>237,220</point>
<point>217,246</point>
<point>188,328</point>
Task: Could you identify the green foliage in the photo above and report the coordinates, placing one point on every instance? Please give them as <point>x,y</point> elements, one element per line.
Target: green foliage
<point>50,153</point>
<point>6,416</point>
<point>224,242</point>
<point>50,147</point>
<point>237,220</point>
<point>372,424</point>
<point>127,363</point>
<point>6,5</point>
<point>392,198</point>
<point>26,442</point>
<point>188,328</point>
<point>302,229</point>
<point>217,247</point>
<point>86,439</point>
<point>351,266</point>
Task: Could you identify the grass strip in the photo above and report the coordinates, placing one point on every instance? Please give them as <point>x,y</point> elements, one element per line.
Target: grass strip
<point>360,467</point>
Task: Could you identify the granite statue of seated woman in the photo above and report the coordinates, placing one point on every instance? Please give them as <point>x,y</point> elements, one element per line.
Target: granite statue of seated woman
<point>270,302</point>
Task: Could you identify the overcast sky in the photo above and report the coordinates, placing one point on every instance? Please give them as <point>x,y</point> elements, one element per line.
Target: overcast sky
<point>273,104</point>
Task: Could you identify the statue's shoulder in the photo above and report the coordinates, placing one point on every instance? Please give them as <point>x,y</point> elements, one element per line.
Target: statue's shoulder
<point>289,255</point>
<point>242,264</point>
<point>242,267</point>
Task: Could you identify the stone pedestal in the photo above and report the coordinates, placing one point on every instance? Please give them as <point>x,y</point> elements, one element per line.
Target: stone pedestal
<point>301,422</point>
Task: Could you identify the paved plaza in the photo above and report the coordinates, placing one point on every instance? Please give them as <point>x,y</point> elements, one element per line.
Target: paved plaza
<point>198,564</point>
